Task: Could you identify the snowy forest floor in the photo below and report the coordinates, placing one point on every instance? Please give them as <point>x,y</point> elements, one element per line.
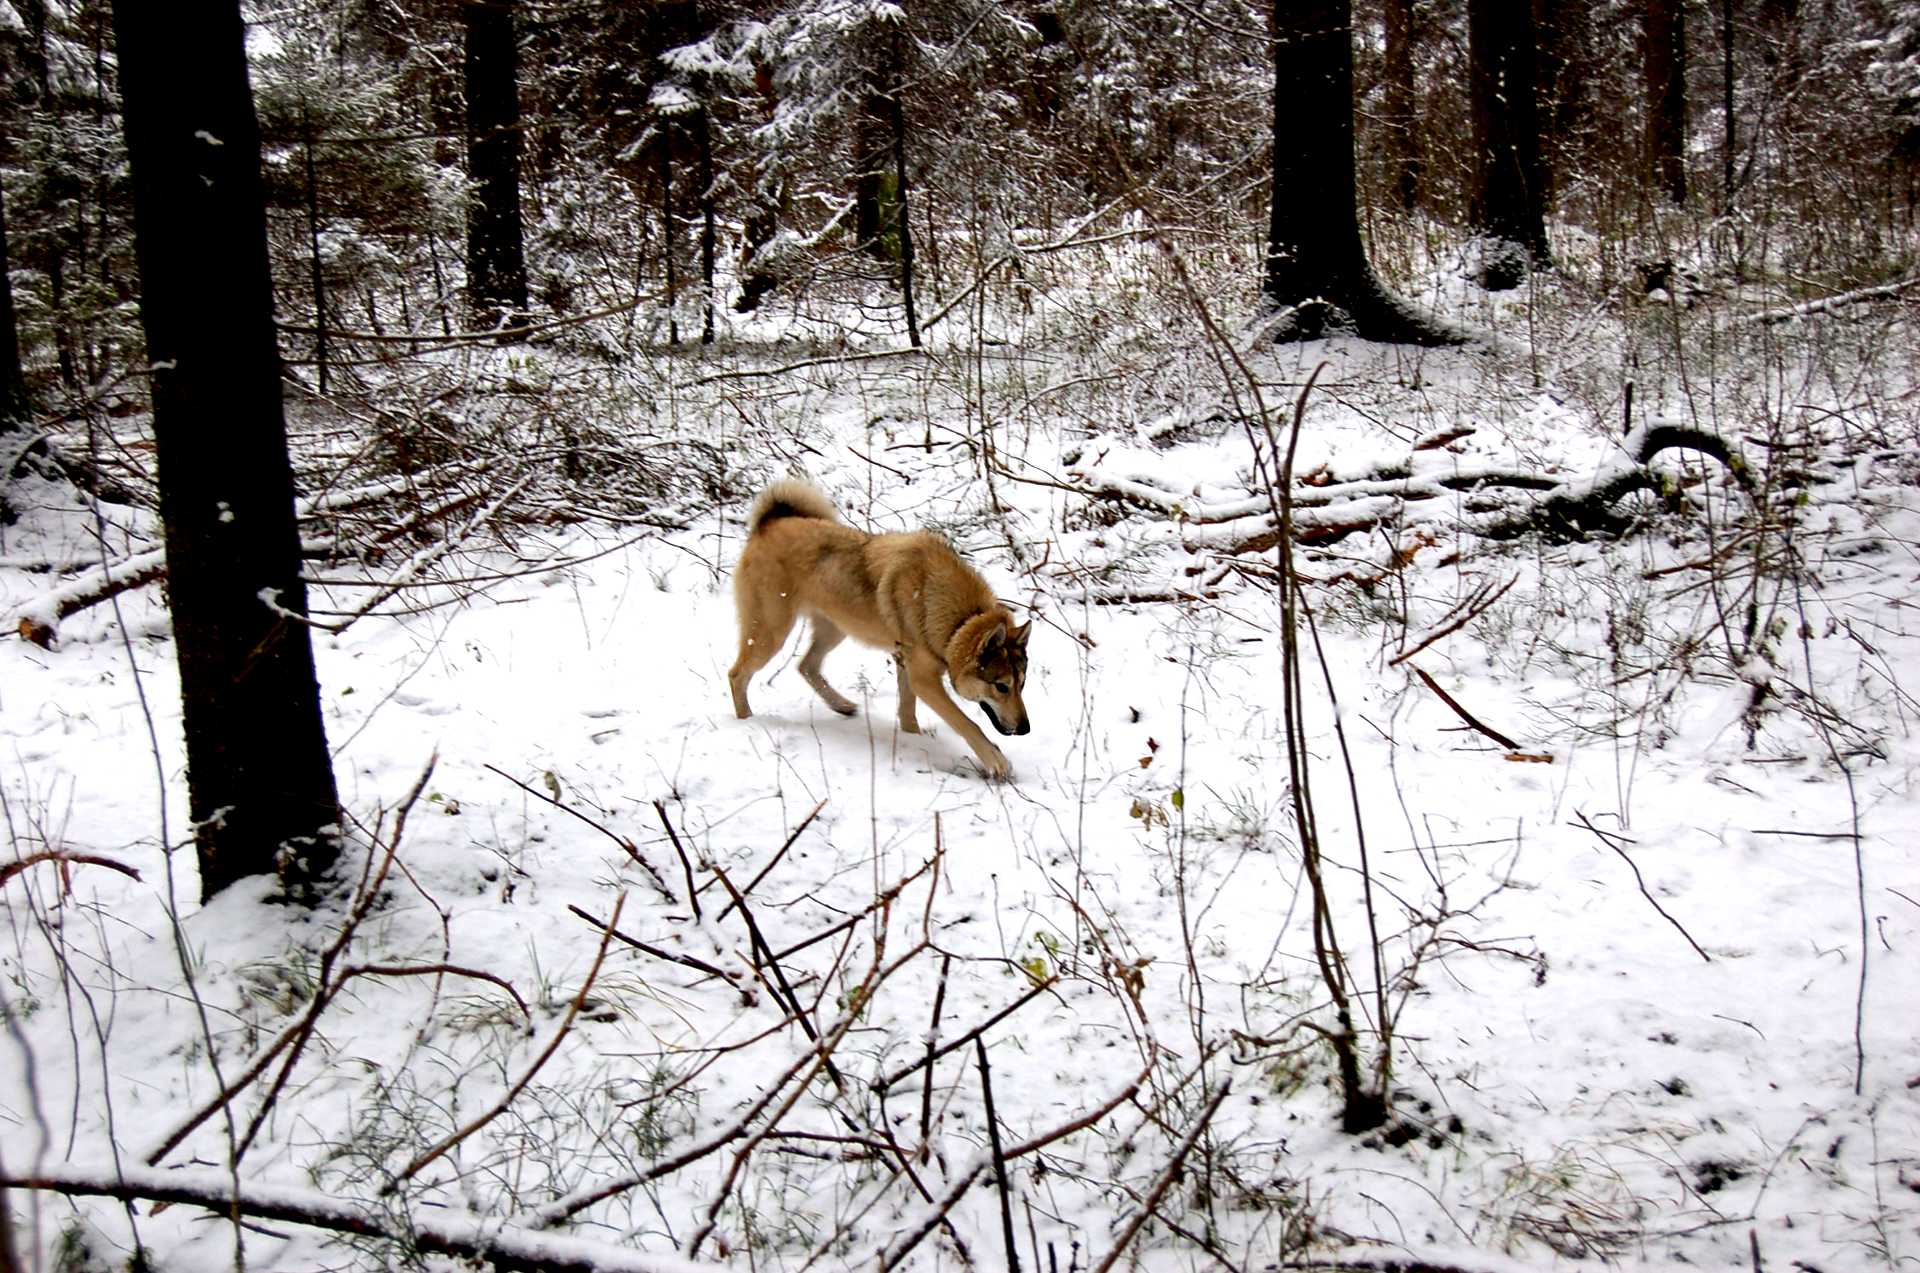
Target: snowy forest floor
<point>1651,969</point>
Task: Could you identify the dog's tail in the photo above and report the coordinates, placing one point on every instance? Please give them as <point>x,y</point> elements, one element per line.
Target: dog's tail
<point>790,498</point>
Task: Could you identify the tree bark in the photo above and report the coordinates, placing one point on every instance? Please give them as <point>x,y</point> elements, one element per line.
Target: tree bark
<point>1664,34</point>
<point>1563,53</point>
<point>15,402</point>
<point>1405,156</point>
<point>496,261</point>
<point>1317,273</point>
<point>1508,205</point>
<point>259,777</point>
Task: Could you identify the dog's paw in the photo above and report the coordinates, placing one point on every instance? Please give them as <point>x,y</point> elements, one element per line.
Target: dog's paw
<point>994,762</point>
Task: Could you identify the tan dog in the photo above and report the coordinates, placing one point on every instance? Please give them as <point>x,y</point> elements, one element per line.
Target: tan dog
<point>909,593</point>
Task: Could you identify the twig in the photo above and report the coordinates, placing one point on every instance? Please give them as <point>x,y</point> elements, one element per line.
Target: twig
<point>659,883</point>
<point>686,863</point>
<point>782,988</point>
<point>296,1035</point>
<point>1608,840</point>
<point>822,1059</point>
<point>775,860</point>
<point>901,1244</point>
<point>573,1010</point>
<point>1166,1178</point>
<point>882,1084</point>
<point>1464,714</point>
<point>999,1156</point>
<point>877,903</point>
<point>689,961</point>
<point>933,1032</point>
<point>1472,608</point>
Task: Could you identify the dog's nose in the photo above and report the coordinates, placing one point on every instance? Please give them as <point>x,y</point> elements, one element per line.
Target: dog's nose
<point>1024,728</point>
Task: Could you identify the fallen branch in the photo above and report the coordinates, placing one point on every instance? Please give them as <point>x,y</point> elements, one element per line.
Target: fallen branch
<point>436,1230</point>
<point>1827,304</point>
<point>1464,714</point>
<point>18,865</point>
<point>38,620</point>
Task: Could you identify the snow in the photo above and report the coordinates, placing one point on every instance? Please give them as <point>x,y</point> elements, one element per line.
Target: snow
<point>1576,1084</point>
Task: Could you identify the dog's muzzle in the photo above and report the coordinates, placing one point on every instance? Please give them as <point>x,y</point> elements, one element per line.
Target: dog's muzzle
<point>994,718</point>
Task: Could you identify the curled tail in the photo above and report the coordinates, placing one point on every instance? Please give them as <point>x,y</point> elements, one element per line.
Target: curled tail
<point>790,498</point>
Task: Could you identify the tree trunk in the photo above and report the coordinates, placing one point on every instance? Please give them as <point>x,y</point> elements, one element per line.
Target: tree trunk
<point>1405,159</point>
<point>15,403</point>
<point>1664,31</point>
<point>1563,51</point>
<point>1507,204</point>
<point>1317,273</point>
<point>669,233</point>
<point>764,196</point>
<point>496,263</point>
<point>708,228</point>
<point>259,777</point>
<point>900,228</point>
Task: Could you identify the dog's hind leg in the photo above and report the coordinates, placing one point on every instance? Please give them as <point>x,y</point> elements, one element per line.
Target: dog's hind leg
<point>825,637</point>
<point>764,625</point>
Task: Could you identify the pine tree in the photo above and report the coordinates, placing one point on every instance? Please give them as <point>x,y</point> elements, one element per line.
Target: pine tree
<point>1317,272</point>
<point>259,777</point>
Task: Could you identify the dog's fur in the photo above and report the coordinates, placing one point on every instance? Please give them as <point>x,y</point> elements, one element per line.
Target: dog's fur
<point>909,593</point>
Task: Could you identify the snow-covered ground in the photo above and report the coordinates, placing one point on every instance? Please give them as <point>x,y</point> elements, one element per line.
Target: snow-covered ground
<point>1651,972</point>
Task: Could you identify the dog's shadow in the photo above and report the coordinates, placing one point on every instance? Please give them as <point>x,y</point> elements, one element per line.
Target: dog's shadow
<point>878,730</point>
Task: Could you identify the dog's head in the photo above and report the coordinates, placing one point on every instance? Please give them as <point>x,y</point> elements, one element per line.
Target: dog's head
<point>996,675</point>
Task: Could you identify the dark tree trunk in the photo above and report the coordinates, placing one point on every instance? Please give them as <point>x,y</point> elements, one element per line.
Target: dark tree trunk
<point>1726,106</point>
<point>761,220</point>
<point>259,778</point>
<point>1664,32</point>
<point>496,263</point>
<point>1508,205</point>
<point>1317,272</point>
<point>874,196</point>
<point>315,269</point>
<point>900,228</point>
<point>708,228</point>
<point>1405,154</point>
<point>15,403</point>
<point>1563,32</point>
<point>669,233</point>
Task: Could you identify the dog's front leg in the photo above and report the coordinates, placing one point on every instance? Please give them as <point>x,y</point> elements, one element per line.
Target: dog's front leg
<point>909,722</point>
<point>926,673</point>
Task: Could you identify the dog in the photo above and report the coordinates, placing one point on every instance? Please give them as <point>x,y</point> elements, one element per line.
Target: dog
<point>907,592</point>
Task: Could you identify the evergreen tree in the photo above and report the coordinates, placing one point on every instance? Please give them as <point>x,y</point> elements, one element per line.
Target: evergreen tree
<point>1664,31</point>
<point>496,259</point>
<point>1317,272</point>
<point>259,777</point>
<point>1508,205</point>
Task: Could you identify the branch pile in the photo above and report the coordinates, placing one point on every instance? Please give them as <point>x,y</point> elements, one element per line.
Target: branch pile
<point>1436,497</point>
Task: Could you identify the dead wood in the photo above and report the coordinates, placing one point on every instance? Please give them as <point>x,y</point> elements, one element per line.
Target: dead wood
<point>1426,501</point>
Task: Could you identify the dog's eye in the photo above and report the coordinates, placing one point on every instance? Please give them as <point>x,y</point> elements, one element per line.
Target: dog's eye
<point>1003,687</point>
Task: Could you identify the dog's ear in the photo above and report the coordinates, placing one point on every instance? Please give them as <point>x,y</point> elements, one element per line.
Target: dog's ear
<point>995,639</point>
<point>1019,635</point>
